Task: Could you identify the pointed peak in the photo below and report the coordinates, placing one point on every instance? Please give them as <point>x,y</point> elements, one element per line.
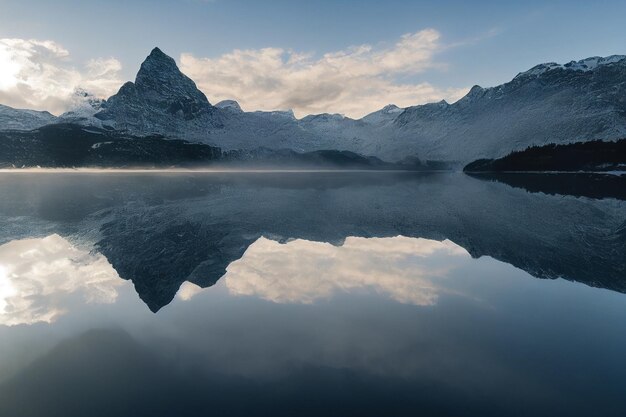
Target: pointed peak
<point>158,66</point>
<point>157,55</point>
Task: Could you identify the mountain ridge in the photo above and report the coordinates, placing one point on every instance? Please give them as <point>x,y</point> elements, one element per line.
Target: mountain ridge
<point>549,103</point>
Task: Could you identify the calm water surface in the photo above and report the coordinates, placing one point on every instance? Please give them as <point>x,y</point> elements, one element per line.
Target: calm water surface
<point>368,294</point>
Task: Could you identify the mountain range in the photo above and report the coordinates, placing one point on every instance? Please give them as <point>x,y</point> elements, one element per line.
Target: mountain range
<point>550,103</point>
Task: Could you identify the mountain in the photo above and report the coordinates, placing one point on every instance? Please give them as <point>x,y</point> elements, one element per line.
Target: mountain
<point>18,119</point>
<point>389,113</point>
<point>550,103</point>
<point>83,109</point>
<point>162,100</point>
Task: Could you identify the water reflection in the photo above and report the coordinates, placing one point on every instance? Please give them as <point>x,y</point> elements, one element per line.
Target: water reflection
<point>160,231</point>
<point>300,271</point>
<point>39,278</point>
<point>394,326</point>
<point>597,185</point>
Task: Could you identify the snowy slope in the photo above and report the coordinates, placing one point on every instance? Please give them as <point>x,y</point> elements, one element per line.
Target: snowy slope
<point>18,119</point>
<point>579,101</point>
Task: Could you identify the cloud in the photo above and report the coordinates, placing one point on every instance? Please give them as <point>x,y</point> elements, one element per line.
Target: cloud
<point>407,270</point>
<point>354,81</point>
<point>39,75</point>
<point>39,278</point>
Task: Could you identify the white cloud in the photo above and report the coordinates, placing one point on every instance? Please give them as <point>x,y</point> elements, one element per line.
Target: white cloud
<point>39,75</point>
<point>188,290</point>
<point>40,277</point>
<point>354,81</point>
<point>407,270</point>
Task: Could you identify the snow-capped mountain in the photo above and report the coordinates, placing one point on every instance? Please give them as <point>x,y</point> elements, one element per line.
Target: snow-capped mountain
<point>18,119</point>
<point>389,113</point>
<point>161,100</point>
<point>578,101</point>
<point>83,108</point>
<point>550,103</point>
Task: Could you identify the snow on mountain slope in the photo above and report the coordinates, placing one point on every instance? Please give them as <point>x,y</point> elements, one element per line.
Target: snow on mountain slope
<point>230,105</point>
<point>588,64</point>
<point>578,101</point>
<point>387,114</point>
<point>550,103</point>
<point>575,102</point>
<point>18,119</point>
<point>83,109</point>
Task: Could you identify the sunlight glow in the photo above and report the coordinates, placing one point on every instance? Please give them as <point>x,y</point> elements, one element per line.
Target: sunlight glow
<point>42,279</point>
<point>9,69</point>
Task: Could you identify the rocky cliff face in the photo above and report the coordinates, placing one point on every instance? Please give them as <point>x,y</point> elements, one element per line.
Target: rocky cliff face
<point>161,100</point>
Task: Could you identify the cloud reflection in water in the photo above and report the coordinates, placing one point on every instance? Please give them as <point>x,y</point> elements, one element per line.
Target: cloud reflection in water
<point>405,269</point>
<point>39,277</point>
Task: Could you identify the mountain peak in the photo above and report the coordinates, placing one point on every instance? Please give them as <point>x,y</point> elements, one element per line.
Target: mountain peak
<point>231,105</point>
<point>160,96</point>
<point>158,62</point>
<point>159,79</point>
<point>391,108</point>
<point>156,51</point>
<point>584,65</point>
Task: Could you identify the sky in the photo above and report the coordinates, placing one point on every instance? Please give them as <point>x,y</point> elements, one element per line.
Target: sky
<point>348,57</point>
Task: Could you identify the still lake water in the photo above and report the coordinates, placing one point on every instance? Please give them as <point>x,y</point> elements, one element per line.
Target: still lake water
<point>288,294</point>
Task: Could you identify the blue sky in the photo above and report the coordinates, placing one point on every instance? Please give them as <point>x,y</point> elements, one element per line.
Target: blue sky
<point>479,42</point>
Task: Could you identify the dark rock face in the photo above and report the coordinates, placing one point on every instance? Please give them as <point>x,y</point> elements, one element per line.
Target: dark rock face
<point>161,100</point>
<point>161,85</point>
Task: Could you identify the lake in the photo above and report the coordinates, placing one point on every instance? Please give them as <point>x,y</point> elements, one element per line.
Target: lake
<point>309,294</point>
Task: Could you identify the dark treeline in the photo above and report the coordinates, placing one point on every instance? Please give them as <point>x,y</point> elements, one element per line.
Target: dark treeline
<point>597,186</point>
<point>581,156</point>
<point>67,146</point>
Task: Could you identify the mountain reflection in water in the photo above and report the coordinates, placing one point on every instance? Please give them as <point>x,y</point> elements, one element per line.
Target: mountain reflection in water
<point>162,230</point>
<point>374,327</point>
<point>331,294</point>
